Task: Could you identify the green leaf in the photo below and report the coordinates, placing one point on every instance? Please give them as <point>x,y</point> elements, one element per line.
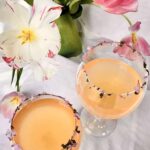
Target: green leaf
<point>71,44</point>
<point>74,6</point>
<point>78,13</point>
<point>29,2</point>
<point>86,1</point>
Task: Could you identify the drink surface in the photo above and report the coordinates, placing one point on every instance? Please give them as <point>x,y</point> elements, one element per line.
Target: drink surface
<point>113,76</point>
<point>44,124</point>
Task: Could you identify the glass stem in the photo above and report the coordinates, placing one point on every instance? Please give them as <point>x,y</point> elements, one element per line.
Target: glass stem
<point>97,126</point>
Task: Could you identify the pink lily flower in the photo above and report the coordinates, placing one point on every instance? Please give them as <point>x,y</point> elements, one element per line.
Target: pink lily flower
<point>118,6</point>
<point>133,45</point>
<point>9,104</point>
<point>135,27</point>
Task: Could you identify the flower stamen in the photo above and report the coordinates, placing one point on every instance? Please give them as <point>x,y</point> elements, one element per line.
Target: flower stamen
<point>134,38</point>
<point>27,36</point>
<point>15,100</point>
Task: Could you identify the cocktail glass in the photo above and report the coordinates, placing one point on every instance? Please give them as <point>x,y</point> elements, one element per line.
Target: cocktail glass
<point>110,86</point>
<point>43,122</point>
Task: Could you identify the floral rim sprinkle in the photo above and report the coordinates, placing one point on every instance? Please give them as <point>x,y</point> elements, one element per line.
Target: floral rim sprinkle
<point>136,90</point>
<point>72,143</point>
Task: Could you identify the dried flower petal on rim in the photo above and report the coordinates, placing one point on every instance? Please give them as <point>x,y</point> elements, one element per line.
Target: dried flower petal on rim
<point>137,88</point>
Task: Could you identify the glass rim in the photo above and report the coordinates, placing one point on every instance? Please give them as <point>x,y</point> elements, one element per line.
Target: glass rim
<point>104,42</point>
<point>76,132</point>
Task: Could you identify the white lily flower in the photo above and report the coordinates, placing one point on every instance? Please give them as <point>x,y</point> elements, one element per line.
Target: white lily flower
<point>31,34</point>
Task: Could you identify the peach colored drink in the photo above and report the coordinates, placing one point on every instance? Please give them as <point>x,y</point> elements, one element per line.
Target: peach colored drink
<point>46,124</point>
<point>114,76</point>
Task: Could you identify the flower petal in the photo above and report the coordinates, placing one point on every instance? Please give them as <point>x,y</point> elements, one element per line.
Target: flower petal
<point>143,46</point>
<point>7,41</point>
<point>50,38</point>
<point>118,6</point>
<point>11,48</point>
<point>47,39</point>
<point>45,69</point>
<point>125,49</point>
<point>11,62</point>
<point>137,88</point>
<point>9,104</point>
<point>127,52</point>
<point>135,27</point>
<point>46,12</point>
<point>14,14</point>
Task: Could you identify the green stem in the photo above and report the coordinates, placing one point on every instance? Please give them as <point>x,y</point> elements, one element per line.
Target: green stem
<point>127,19</point>
<point>29,2</point>
<point>19,73</point>
<point>18,88</point>
<point>133,34</point>
<point>13,75</point>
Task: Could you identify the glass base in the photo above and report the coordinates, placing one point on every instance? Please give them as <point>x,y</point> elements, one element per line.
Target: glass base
<point>96,126</point>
